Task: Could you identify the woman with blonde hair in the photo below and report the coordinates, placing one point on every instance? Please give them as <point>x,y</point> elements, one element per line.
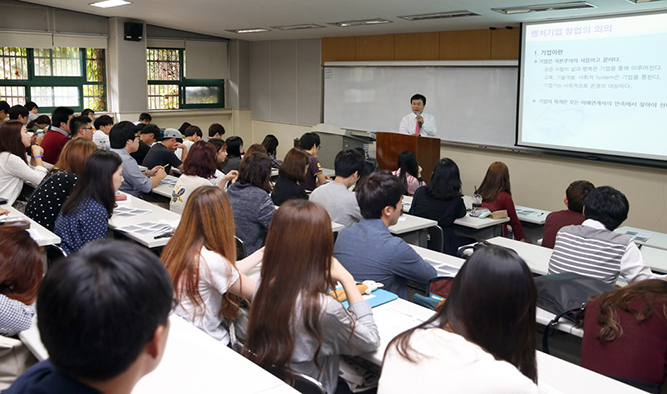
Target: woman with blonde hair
<point>294,323</point>
<point>201,259</point>
<point>47,199</point>
<point>497,196</point>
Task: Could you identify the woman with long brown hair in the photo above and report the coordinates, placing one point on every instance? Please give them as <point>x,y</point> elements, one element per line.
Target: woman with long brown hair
<point>294,323</point>
<point>14,165</point>
<point>21,272</point>
<point>201,259</point>
<point>47,199</point>
<point>497,195</point>
<point>625,334</point>
<point>481,341</point>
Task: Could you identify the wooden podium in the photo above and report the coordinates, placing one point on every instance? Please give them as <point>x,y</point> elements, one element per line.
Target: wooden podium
<point>390,145</point>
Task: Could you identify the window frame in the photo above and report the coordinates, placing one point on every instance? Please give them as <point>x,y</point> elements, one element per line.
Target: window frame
<point>53,81</point>
<point>183,82</point>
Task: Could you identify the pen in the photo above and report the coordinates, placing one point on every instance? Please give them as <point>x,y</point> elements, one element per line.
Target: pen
<point>165,166</point>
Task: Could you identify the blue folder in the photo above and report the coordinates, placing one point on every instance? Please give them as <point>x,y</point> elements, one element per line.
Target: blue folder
<point>378,297</point>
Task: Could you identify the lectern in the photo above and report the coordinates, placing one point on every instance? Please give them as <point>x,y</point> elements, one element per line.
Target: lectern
<point>390,145</point>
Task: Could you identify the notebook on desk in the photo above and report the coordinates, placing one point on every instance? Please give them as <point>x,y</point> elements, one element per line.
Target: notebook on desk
<point>376,298</point>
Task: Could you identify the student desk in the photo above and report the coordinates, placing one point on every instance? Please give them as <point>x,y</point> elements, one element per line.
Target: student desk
<point>657,240</point>
<point>157,213</point>
<point>412,229</point>
<point>447,265</point>
<point>555,375</point>
<point>193,362</point>
<point>42,236</point>
<point>163,189</point>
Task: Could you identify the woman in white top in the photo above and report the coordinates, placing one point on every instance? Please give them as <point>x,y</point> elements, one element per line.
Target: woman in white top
<point>201,259</point>
<point>198,170</point>
<point>482,340</point>
<point>14,166</point>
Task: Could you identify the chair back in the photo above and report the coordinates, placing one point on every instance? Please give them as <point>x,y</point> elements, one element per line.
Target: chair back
<point>302,383</point>
<point>436,239</point>
<point>240,249</point>
<point>440,286</point>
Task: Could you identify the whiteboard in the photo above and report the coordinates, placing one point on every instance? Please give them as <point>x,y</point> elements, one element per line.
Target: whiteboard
<point>474,105</point>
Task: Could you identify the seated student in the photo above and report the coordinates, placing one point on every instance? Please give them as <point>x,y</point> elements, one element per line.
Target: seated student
<point>198,170</point>
<point>409,171</point>
<point>304,329</point>
<point>369,251</point>
<point>271,144</point>
<point>184,127</point>
<point>594,249</point>
<point>18,112</point>
<point>103,126</point>
<point>251,203</point>
<point>148,135</point>
<point>192,134</point>
<point>103,318</point>
<point>216,131</point>
<point>574,200</point>
<point>201,259</point>
<point>481,341</point>
<point>4,110</point>
<point>85,215</point>
<point>47,199</point>
<point>497,196</point>
<point>334,195</point>
<point>14,166</point>
<point>441,201</point>
<point>40,126</point>
<point>255,148</point>
<point>145,118</point>
<point>80,127</point>
<point>234,152</point>
<point>124,142</point>
<point>290,174</point>
<point>21,271</point>
<point>54,141</point>
<point>221,156</point>
<point>162,153</point>
<point>89,113</point>
<point>33,110</point>
<point>310,143</point>
<point>625,334</point>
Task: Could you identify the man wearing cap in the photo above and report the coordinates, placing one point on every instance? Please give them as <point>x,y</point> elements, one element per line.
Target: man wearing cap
<point>162,153</point>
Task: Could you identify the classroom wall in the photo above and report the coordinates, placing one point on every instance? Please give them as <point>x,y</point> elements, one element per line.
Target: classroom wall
<point>286,81</point>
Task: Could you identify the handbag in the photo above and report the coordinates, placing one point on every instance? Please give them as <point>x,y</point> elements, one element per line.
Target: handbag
<point>566,295</point>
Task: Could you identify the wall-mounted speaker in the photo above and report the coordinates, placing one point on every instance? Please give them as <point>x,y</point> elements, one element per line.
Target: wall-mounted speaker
<point>134,31</point>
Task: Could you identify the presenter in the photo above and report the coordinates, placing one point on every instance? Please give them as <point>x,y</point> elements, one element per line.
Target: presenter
<point>418,122</point>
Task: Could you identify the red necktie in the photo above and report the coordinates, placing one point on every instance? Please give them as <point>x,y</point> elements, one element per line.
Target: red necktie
<point>417,128</point>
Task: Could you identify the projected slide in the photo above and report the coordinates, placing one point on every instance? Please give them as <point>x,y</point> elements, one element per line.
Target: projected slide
<point>596,85</point>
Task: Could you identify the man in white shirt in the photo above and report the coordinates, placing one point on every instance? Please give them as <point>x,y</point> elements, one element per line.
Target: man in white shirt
<point>103,126</point>
<point>418,122</point>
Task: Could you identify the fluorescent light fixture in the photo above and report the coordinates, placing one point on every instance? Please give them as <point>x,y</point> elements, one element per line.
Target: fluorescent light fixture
<point>544,7</point>
<point>438,15</point>
<point>643,1</point>
<point>298,27</point>
<point>365,22</point>
<point>110,3</point>
<point>252,30</point>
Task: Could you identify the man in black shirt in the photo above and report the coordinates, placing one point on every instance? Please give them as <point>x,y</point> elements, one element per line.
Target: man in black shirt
<point>162,153</point>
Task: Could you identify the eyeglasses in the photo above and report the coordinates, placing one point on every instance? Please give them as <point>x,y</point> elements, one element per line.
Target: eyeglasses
<point>86,128</point>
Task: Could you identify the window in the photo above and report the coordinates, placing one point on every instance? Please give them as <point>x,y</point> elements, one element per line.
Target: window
<point>71,77</point>
<point>168,89</point>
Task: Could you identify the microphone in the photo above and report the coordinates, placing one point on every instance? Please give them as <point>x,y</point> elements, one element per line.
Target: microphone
<point>420,125</point>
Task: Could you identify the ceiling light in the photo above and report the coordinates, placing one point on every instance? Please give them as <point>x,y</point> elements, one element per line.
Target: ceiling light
<point>110,3</point>
<point>253,30</point>
<point>365,22</point>
<point>544,7</point>
<point>298,27</point>
<point>438,15</point>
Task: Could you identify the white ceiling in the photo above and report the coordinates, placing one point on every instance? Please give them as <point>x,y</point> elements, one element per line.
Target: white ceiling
<point>213,17</point>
